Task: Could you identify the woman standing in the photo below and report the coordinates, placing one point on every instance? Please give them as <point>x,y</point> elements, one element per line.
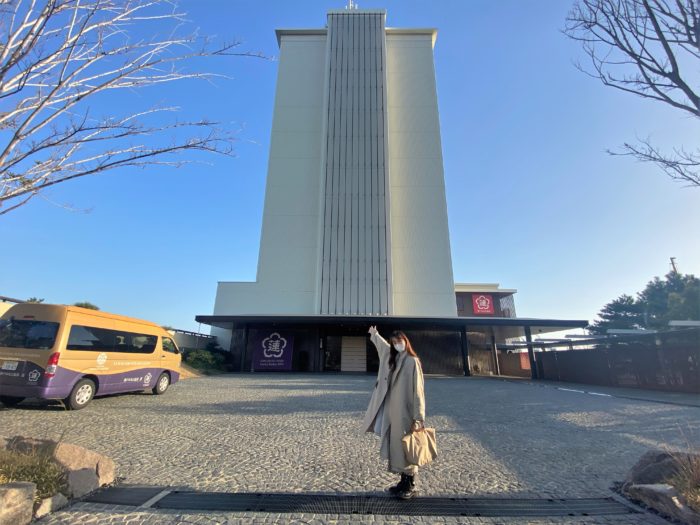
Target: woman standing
<point>397,405</point>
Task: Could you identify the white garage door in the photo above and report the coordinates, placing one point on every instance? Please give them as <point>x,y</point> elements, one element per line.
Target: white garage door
<point>353,357</point>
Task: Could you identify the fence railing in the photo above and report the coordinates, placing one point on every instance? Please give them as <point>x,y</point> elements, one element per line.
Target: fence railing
<point>661,361</point>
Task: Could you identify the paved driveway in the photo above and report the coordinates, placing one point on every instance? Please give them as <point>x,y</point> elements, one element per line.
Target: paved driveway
<point>301,433</point>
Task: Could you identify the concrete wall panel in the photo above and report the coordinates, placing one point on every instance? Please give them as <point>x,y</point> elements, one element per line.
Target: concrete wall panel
<point>421,258</point>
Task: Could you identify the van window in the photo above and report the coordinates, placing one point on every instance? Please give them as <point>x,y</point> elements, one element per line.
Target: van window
<point>143,344</point>
<point>88,338</point>
<point>19,333</point>
<point>91,338</point>
<point>169,346</point>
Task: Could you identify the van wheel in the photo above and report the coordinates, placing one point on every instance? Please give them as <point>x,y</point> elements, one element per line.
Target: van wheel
<point>82,393</point>
<point>162,384</point>
<point>11,401</point>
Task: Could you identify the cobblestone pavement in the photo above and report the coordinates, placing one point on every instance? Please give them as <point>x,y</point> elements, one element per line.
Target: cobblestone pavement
<point>301,433</point>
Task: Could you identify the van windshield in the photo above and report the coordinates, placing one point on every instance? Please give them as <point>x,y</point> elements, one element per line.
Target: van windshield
<point>15,333</point>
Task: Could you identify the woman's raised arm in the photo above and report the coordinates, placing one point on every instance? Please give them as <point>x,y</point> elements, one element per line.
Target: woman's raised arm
<point>379,342</point>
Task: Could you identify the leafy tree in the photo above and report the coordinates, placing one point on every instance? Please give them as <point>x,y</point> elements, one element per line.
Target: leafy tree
<point>621,313</point>
<point>650,48</point>
<point>35,300</point>
<point>85,304</point>
<point>675,297</point>
<point>213,346</point>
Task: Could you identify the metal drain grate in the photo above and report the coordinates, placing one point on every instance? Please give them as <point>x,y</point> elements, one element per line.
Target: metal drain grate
<point>133,495</point>
<point>364,504</point>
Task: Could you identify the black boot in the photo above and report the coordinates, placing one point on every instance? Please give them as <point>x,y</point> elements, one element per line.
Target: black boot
<point>410,489</point>
<point>399,487</point>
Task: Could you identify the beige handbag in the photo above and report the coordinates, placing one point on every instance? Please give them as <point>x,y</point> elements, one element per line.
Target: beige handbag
<point>419,446</point>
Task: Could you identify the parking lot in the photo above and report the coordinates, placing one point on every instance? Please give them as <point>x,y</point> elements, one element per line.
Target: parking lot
<point>301,434</point>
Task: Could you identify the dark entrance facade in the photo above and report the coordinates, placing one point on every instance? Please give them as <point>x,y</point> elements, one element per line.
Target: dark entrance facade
<point>449,346</point>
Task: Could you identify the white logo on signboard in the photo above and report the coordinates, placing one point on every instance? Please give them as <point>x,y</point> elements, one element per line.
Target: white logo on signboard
<point>34,376</point>
<point>483,303</point>
<point>147,378</point>
<point>102,359</point>
<point>274,345</point>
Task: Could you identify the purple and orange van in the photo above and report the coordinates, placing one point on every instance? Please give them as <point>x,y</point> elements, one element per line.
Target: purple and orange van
<point>74,354</point>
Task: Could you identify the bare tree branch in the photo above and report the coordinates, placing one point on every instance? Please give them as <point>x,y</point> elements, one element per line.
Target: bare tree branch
<point>56,56</point>
<point>682,166</point>
<point>650,48</point>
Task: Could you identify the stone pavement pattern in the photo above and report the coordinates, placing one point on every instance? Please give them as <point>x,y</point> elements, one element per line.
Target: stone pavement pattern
<point>301,433</point>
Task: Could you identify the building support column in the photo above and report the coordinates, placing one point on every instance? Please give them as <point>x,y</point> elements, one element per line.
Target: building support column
<point>531,353</point>
<point>244,348</point>
<point>494,349</point>
<point>321,351</point>
<point>465,351</point>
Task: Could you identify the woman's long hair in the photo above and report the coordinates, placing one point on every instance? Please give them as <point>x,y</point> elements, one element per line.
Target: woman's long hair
<point>398,334</point>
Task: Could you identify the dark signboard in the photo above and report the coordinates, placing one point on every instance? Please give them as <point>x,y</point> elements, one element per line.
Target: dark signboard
<point>273,351</point>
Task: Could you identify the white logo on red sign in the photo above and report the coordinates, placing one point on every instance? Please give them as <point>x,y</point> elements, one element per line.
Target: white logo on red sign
<point>483,303</point>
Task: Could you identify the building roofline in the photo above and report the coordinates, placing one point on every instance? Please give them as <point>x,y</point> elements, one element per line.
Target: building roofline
<point>297,32</point>
<point>5,299</point>
<point>483,288</point>
<point>430,31</point>
<point>356,11</point>
<point>445,322</point>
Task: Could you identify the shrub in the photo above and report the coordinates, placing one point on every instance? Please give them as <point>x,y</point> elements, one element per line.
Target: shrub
<point>36,467</point>
<point>86,304</point>
<point>205,360</point>
<point>687,481</point>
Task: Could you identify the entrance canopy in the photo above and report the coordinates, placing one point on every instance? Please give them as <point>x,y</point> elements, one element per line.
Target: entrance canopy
<point>507,327</point>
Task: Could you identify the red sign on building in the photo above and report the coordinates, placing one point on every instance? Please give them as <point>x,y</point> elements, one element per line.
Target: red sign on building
<point>482,304</point>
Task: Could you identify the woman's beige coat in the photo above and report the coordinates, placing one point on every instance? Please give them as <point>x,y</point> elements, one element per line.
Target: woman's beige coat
<point>404,403</point>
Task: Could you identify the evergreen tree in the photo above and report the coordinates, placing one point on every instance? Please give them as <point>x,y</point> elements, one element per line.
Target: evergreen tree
<point>676,297</point>
<point>621,313</point>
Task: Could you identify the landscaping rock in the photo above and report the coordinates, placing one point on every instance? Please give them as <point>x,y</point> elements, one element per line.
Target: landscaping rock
<point>654,467</point>
<point>81,482</point>
<point>73,457</point>
<point>665,499</point>
<point>69,457</point>
<point>17,503</point>
<point>85,472</point>
<point>49,505</point>
<point>28,445</point>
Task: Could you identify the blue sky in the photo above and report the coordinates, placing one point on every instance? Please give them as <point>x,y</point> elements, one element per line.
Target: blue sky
<point>534,201</point>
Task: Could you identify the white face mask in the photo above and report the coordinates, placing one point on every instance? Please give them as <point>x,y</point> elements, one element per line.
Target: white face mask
<point>400,346</point>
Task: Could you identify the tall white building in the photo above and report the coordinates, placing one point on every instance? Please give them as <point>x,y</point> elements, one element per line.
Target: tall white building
<point>355,225</point>
<point>355,217</point>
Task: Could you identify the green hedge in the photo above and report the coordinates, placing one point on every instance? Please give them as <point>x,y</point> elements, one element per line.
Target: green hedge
<point>205,360</point>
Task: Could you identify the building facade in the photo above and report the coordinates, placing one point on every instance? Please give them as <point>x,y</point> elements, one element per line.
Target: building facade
<point>355,215</point>
<point>354,226</point>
